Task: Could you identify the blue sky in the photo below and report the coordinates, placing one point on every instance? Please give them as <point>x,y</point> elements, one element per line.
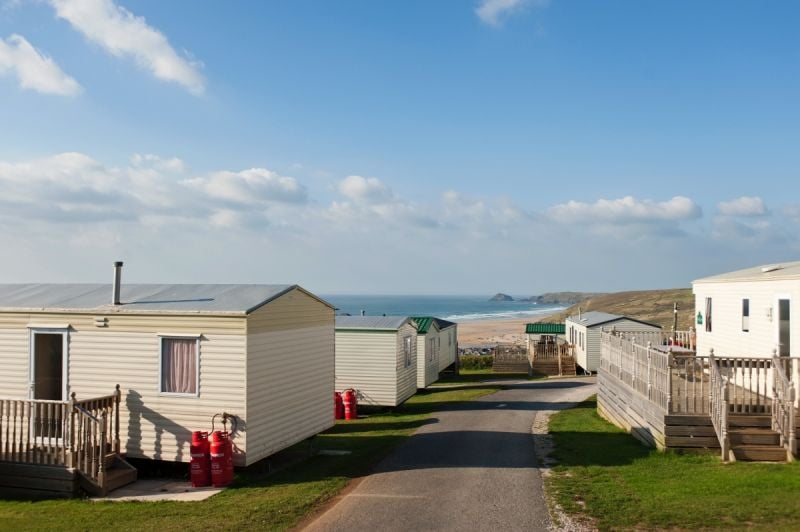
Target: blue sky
<point>398,147</point>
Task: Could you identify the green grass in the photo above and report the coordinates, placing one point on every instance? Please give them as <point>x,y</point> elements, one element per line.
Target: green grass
<point>470,376</point>
<point>606,474</point>
<point>256,500</point>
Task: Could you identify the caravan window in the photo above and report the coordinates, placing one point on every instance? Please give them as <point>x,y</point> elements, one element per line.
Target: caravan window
<point>745,315</point>
<point>407,350</point>
<point>179,366</point>
<point>708,314</point>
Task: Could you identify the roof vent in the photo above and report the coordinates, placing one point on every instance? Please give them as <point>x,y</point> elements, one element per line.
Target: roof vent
<point>771,268</point>
<point>117,282</point>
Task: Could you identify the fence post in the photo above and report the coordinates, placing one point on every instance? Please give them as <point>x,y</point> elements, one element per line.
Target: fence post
<point>73,458</point>
<point>101,469</point>
<point>670,364</point>
<point>117,398</point>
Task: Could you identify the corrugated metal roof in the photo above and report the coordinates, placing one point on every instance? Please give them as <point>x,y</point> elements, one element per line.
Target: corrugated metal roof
<point>424,323</point>
<point>386,323</point>
<point>443,324</point>
<point>595,317</point>
<point>545,328</point>
<point>767,272</point>
<point>211,298</point>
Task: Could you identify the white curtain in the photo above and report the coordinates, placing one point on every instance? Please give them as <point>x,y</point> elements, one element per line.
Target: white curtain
<point>179,365</point>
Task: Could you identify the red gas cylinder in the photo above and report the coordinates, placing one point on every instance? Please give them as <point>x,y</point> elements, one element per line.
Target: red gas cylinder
<point>229,459</point>
<point>338,406</point>
<point>350,404</point>
<point>200,467</point>
<point>221,459</point>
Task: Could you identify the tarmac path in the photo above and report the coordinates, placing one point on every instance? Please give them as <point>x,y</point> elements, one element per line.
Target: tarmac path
<point>473,467</point>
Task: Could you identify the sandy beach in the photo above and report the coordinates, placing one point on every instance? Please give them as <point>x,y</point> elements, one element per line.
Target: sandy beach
<point>493,331</point>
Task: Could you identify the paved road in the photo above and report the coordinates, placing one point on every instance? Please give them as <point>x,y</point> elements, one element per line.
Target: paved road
<point>472,468</point>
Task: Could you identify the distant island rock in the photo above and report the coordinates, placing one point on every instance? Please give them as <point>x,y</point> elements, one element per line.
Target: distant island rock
<point>501,297</point>
<point>561,298</point>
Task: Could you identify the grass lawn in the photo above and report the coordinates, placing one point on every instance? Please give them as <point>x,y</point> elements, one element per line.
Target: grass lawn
<point>257,500</point>
<point>609,476</point>
<point>467,376</point>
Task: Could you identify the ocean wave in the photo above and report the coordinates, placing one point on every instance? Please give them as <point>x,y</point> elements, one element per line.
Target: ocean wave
<point>503,315</point>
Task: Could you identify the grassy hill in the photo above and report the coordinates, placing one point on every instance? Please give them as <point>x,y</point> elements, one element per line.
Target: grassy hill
<point>649,305</point>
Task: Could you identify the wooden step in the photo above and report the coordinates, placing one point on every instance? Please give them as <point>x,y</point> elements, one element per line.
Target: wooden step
<point>759,453</point>
<point>688,420</point>
<point>754,436</point>
<point>690,430</point>
<point>751,420</point>
<point>705,442</point>
<point>119,476</point>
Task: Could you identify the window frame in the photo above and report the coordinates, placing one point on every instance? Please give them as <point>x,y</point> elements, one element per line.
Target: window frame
<point>709,311</point>
<point>407,351</point>
<point>196,338</point>
<point>746,314</point>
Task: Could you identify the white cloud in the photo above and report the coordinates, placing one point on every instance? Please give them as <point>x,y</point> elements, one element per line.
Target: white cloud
<point>743,206</point>
<point>123,34</point>
<point>626,210</point>
<point>250,187</point>
<point>152,191</point>
<point>492,12</point>
<point>34,70</point>
<point>365,189</point>
<point>172,164</point>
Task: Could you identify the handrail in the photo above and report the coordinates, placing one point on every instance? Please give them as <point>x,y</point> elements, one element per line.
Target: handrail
<point>783,411</point>
<point>718,407</point>
<point>71,433</point>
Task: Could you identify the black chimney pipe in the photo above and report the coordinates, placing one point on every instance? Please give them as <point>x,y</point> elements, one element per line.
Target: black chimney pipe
<point>117,282</point>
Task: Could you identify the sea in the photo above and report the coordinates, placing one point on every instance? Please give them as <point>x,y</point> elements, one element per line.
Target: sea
<point>451,308</point>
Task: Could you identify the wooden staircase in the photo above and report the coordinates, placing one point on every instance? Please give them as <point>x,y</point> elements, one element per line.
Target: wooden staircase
<point>753,440</point>
<point>751,436</point>
<point>506,367</point>
<point>510,358</point>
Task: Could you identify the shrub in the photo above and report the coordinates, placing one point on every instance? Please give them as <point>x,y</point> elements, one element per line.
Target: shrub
<point>475,361</point>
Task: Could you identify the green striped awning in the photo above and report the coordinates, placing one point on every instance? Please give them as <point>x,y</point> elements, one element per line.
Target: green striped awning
<point>545,328</point>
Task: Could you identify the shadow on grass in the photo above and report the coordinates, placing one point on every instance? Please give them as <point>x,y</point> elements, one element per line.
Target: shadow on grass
<point>381,426</point>
<point>582,438</point>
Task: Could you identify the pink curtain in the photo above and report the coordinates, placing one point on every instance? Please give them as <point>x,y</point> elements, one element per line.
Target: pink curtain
<point>178,365</point>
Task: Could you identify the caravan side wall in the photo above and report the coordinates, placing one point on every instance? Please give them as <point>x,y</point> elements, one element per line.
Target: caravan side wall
<point>428,358</point>
<point>406,376</point>
<point>290,369</point>
<point>727,337</point>
<point>127,352</point>
<point>365,361</point>
<point>449,347</point>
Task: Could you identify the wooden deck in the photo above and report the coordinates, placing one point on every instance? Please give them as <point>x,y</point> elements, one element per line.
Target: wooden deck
<point>673,399</point>
<point>56,448</point>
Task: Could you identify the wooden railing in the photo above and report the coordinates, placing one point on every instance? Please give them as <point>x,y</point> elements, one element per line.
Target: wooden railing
<point>783,409</point>
<point>718,400</point>
<point>70,433</point>
<point>685,339</point>
<point>641,368</point>
<point>545,350</point>
<point>679,383</point>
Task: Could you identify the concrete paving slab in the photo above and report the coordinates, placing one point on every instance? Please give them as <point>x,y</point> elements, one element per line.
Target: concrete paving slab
<point>151,490</point>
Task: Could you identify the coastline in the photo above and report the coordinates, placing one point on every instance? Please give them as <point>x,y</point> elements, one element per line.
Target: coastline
<point>479,332</point>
